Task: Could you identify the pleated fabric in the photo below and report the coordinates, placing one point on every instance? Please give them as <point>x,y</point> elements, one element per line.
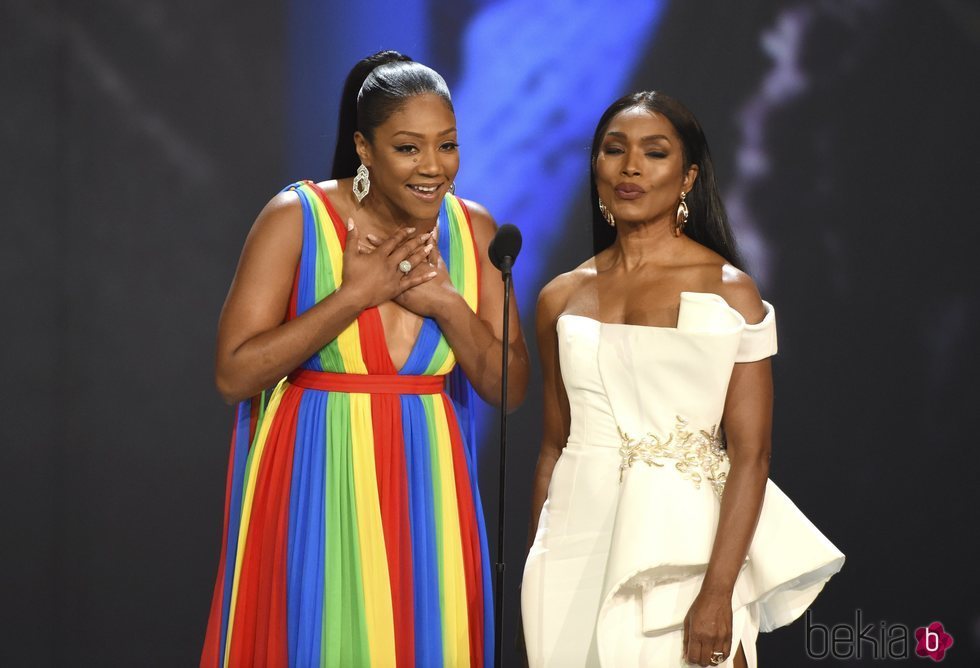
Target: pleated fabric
<point>353,529</point>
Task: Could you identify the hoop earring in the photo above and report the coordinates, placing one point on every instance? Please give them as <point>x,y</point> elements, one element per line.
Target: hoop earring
<point>452,188</point>
<point>362,183</point>
<point>682,213</point>
<point>607,214</point>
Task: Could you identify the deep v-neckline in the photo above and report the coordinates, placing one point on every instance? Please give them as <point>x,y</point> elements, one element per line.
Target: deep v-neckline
<point>371,317</point>
<point>384,337</point>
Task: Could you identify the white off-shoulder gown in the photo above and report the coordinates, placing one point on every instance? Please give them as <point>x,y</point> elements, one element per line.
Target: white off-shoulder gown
<point>625,535</point>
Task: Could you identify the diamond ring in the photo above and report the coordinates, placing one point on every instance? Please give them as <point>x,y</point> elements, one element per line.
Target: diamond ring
<point>717,658</point>
<point>405,266</point>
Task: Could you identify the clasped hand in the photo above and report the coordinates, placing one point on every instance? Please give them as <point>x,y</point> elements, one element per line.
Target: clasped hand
<point>371,266</point>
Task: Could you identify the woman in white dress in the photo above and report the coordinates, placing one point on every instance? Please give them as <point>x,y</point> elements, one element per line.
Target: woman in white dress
<point>658,539</point>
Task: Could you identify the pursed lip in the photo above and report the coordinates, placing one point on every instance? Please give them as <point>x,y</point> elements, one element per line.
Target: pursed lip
<point>629,191</point>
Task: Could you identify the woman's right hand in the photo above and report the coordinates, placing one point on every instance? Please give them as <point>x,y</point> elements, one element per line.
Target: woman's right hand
<point>374,276</point>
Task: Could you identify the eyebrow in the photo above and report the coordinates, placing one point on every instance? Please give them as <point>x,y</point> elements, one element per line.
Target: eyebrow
<point>421,136</point>
<point>622,135</point>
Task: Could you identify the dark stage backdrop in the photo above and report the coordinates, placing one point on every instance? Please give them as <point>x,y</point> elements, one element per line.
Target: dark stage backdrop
<point>139,141</point>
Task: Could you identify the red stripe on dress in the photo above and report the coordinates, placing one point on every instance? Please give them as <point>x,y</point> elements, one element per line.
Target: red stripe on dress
<point>469,533</point>
<point>259,635</point>
<point>213,643</point>
<point>389,457</point>
<point>374,348</point>
<point>338,225</point>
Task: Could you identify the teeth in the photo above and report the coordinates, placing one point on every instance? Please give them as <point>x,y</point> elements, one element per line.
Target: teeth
<point>425,189</point>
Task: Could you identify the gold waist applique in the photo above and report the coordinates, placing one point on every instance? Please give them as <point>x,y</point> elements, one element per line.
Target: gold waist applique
<point>698,455</point>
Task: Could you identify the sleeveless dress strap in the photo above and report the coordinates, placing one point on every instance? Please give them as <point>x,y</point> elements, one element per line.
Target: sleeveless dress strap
<point>320,273</point>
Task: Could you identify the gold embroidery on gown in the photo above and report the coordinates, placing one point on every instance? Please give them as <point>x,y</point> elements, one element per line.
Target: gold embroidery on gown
<point>698,455</point>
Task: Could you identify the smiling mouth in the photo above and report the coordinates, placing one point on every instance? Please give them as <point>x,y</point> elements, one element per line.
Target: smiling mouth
<point>424,190</point>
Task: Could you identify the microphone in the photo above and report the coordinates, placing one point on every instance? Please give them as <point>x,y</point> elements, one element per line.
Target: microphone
<point>503,251</point>
<point>504,248</point>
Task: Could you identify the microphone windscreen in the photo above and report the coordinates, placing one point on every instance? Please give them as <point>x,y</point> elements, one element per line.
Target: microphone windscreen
<point>506,243</point>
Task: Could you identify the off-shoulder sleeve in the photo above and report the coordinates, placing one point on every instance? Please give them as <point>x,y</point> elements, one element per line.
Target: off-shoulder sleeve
<point>758,340</point>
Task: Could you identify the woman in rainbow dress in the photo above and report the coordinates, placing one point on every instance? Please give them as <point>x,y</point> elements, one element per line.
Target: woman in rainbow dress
<point>353,531</point>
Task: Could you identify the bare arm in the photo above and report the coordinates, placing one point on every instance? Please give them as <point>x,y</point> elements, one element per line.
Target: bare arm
<point>747,424</point>
<point>557,416</point>
<point>256,345</point>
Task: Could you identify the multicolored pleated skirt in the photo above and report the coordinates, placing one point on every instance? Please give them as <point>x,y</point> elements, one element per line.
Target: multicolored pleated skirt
<point>353,531</point>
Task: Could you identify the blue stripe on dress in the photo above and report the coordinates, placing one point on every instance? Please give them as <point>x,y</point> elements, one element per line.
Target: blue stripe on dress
<point>304,569</point>
<point>428,610</point>
<point>421,355</point>
<point>306,292</point>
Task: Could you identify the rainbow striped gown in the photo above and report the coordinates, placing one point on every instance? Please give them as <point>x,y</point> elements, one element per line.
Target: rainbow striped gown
<point>353,529</point>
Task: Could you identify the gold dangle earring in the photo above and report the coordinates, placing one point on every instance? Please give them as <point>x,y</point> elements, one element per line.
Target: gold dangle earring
<point>682,215</point>
<point>607,214</point>
<point>362,183</point>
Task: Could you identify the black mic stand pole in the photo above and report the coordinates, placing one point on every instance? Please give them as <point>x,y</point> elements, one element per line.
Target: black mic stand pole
<point>498,596</point>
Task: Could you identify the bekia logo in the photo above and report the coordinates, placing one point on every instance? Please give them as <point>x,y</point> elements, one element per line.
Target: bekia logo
<point>933,641</point>
<point>875,641</point>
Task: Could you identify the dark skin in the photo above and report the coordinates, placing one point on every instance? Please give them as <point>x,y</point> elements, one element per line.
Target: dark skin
<point>638,281</point>
<point>413,158</point>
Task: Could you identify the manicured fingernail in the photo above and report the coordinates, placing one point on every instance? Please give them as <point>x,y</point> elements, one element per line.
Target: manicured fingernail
<point>350,224</point>
<point>372,237</point>
<point>428,248</point>
<point>410,230</point>
<point>431,274</point>
<point>425,236</point>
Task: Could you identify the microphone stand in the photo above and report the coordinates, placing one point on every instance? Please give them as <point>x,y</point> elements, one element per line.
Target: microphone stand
<point>498,596</point>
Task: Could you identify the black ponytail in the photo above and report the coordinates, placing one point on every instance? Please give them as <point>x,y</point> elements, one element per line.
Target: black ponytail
<point>377,87</point>
<point>345,160</point>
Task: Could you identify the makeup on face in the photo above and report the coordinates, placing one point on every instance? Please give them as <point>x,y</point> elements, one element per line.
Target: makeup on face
<point>639,168</point>
<point>415,156</point>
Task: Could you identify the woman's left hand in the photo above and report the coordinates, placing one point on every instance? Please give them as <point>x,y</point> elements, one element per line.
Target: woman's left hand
<point>427,302</point>
<point>708,628</point>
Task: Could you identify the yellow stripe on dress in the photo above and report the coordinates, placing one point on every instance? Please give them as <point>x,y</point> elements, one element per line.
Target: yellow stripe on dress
<point>455,614</point>
<point>470,289</point>
<point>349,340</point>
<point>374,555</point>
<point>247,498</point>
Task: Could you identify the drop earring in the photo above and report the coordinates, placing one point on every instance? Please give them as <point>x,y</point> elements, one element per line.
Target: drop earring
<point>607,214</point>
<point>682,215</point>
<point>362,183</point>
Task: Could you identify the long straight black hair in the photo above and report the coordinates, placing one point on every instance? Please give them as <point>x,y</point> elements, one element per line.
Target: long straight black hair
<point>708,222</point>
<point>375,88</point>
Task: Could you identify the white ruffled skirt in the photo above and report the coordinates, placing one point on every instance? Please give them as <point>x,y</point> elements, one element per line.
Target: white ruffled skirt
<point>616,565</point>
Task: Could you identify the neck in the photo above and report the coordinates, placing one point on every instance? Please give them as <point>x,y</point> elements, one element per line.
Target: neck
<point>390,218</point>
<point>644,243</point>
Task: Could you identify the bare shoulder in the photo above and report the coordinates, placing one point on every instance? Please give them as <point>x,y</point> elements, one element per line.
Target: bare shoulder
<point>280,221</point>
<point>554,296</point>
<point>739,290</point>
<point>484,226</point>
<point>333,187</point>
